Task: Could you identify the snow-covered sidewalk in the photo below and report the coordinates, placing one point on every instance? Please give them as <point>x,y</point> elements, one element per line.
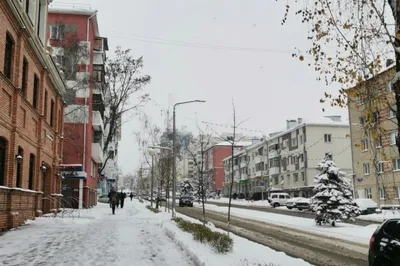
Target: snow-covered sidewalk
<point>131,237</point>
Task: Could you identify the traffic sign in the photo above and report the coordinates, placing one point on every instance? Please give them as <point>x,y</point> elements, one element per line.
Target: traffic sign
<point>262,184</point>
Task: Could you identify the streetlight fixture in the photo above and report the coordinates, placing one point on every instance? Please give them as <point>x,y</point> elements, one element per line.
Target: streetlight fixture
<point>152,153</point>
<point>174,151</point>
<point>18,158</point>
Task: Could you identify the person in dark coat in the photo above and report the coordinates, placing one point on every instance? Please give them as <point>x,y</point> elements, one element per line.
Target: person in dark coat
<point>131,196</point>
<point>112,196</point>
<point>118,199</point>
<point>122,198</point>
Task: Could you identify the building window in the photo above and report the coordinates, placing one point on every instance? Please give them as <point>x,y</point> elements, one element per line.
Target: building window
<point>302,157</point>
<point>396,164</point>
<point>366,168</point>
<point>24,82</point>
<point>45,105</point>
<point>381,167</point>
<point>397,192</point>
<point>31,170</point>
<point>379,142</point>
<point>294,142</point>
<point>276,179</point>
<point>362,121</point>
<point>57,32</point>
<point>303,176</point>
<point>30,9</point>
<point>392,112</point>
<point>8,56</point>
<point>368,193</point>
<point>3,156</point>
<point>296,177</point>
<point>19,167</point>
<point>35,91</point>
<point>328,138</point>
<point>375,117</point>
<point>52,106</point>
<point>382,194</point>
<point>364,144</point>
<point>393,136</point>
<point>288,178</point>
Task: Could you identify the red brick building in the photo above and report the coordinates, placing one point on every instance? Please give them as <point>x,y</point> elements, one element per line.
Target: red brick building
<point>214,165</point>
<point>80,52</point>
<point>31,115</point>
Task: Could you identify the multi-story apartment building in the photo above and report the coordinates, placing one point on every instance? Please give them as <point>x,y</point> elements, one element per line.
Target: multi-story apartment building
<point>214,166</point>
<point>287,160</point>
<point>80,52</point>
<point>31,114</point>
<point>376,161</point>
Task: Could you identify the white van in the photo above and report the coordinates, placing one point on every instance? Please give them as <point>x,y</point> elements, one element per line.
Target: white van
<point>278,199</point>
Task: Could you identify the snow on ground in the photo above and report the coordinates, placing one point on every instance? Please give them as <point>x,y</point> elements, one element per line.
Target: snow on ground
<point>380,217</point>
<point>359,234</point>
<point>245,252</point>
<point>262,203</point>
<point>131,237</point>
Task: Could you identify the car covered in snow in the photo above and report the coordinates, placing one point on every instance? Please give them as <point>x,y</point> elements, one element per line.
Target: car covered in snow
<point>186,200</point>
<point>299,203</point>
<point>367,206</point>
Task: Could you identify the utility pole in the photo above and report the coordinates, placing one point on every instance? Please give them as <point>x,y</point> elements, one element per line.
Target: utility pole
<point>152,180</point>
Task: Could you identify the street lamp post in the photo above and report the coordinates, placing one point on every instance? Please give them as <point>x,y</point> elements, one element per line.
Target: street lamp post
<point>174,151</point>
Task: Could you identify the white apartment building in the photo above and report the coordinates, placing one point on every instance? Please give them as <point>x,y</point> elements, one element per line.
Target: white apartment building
<point>286,161</point>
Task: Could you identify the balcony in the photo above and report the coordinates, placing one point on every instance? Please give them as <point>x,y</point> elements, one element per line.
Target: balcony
<point>97,153</point>
<point>273,154</point>
<point>243,164</point>
<point>98,58</point>
<point>259,173</point>
<point>97,121</point>
<point>274,170</point>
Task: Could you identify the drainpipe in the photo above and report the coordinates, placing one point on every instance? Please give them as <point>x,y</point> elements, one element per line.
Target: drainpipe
<point>84,124</point>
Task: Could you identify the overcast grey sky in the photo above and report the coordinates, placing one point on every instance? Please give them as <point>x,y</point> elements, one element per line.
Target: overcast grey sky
<point>267,87</point>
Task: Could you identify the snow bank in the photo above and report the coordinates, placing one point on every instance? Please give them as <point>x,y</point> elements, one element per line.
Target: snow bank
<point>244,253</point>
<point>380,217</point>
<point>261,203</point>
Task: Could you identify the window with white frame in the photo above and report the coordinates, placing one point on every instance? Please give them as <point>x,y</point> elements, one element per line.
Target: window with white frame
<point>303,176</point>
<point>366,168</point>
<point>393,136</point>
<point>396,164</point>
<point>57,32</point>
<point>328,138</point>
<point>381,167</point>
<point>368,193</point>
<point>382,194</point>
<point>30,9</point>
<point>294,142</point>
<point>397,192</point>
<point>296,177</point>
<point>379,142</point>
<point>364,144</point>
<point>301,139</point>
<point>392,112</point>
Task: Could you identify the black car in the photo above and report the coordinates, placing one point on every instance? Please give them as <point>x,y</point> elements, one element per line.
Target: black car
<point>384,245</point>
<point>186,201</point>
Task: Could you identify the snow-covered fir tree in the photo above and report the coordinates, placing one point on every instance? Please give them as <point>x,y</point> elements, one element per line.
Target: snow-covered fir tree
<point>333,199</point>
<point>185,187</point>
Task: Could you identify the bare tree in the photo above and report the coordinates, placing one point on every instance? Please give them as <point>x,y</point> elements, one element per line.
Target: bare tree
<point>126,83</point>
<point>201,144</point>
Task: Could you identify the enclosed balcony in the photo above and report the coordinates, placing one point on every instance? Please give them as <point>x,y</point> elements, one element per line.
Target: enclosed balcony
<point>97,121</point>
<point>274,170</point>
<point>97,153</point>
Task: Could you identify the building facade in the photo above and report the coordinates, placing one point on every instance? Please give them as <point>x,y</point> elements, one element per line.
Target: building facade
<point>31,115</point>
<point>286,161</point>
<point>81,54</point>
<point>376,161</point>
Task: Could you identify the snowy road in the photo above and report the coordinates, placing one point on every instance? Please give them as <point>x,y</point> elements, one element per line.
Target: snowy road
<point>131,237</point>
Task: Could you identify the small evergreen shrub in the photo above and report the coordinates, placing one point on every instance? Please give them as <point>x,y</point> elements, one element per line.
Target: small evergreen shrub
<point>155,210</point>
<point>219,242</point>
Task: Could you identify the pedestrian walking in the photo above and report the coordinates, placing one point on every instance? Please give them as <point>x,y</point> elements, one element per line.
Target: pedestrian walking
<point>118,199</point>
<point>123,196</point>
<point>131,196</point>
<point>112,196</point>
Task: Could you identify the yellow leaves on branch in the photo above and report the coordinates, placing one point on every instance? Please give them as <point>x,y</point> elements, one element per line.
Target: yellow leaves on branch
<point>398,36</point>
<point>346,26</point>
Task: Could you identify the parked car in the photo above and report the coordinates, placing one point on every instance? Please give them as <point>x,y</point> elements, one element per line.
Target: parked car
<point>384,245</point>
<point>278,199</point>
<point>303,204</point>
<point>256,194</point>
<point>103,199</point>
<point>367,206</point>
<point>186,201</point>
